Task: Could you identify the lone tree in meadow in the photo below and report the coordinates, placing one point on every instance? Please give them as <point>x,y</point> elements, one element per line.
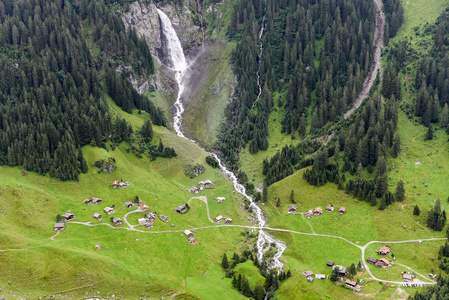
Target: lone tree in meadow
<point>225,262</point>
<point>416,210</point>
<point>400,192</point>
<point>292,197</point>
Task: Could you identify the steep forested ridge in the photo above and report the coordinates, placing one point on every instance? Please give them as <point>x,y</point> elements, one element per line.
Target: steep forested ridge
<point>315,53</point>
<point>51,99</point>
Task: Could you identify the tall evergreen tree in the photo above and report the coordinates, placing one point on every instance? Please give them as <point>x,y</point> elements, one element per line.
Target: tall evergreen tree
<point>400,191</point>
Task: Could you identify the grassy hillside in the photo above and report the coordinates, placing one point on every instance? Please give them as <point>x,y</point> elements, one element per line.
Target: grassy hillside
<point>129,264</point>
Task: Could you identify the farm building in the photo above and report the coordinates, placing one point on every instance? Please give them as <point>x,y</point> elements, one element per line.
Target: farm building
<point>97,216</point>
<point>201,184</point>
<point>87,201</point>
<point>220,199</point>
<point>342,210</point>
<point>142,221</point>
<point>353,285</point>
<point>192,240</point>
<point>318,211</point>
<point>330,263</point>
<point>384,261</point>
<point>407,277</point>
<point>228,221</point>
<point>329,208</point>
<point>144,207</point>
<point>372,260</point>
<point>309,214</point>
<point>207,183</point>
<point>291,209</point>
<point>188,233</point>
<point>341,270</point>
<point>307,273</point>
<point>181,209</point>
<point>59,226</point>
<point>149,225</point>
<point>96,200</point>
<point>151,216</point>
<point>194,190</point>
<point>108,210</point>
<point>68,216</point>
<point>164,218</point>
<point>320,276</point>
<point>129,204</point>
<point>383,251</point>
<point>117,221</point>
<point>219,218</point>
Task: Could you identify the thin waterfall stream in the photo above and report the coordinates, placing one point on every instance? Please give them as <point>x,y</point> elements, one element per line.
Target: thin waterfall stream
<point>180,67</point>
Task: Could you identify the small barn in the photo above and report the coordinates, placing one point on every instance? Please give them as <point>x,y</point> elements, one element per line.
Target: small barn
<point>129,204</point>
<point>342,210</point>
<point>219,218</point>
<point>96,200</point>
<point>194,190</point>
<point>291,209</point>
<point>330,263</point>
<point>59,226</point>
<point>318,211</point>
<point>407,277</point>
<point>201,184</point>
<point>371,260</point>
<point>188,233</point>
<point>68,216</point>
<point>97,216</point>
<point>181,209</point>
<point>149,225</point>
<point>108,210</point>
<point>383,251</point>
<point>208,183</point>
<point>309,214</point>
<point>117,221</point>
<point>228,221</point>
<point>144,207</point>
<point>330,208</point>
<point>87,201</point>
<point>142,221</point>
<point>151,216</point>
<point>164,218</point>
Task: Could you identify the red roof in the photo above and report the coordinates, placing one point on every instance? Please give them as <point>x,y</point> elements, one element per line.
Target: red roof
<point>144,207</point>
<point>342,209</point>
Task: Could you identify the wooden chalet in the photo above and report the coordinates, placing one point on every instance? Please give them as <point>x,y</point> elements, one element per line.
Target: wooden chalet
<point>228,221</point>
<point>309,214</point>
<point>142,221</point>
<point>220,199</point>
<point>353,285</point>
<point>407,277</point>
<point>193,240</point>
<point>108,210</point>
<point>96,200</point>
<point>144,207</point>
<point>188,233</point>
<point>307,273</point>
<point>341,270</point>
<point>219,218</point>
<point>383,251</point>
<point>97,216</point>
<point>129,204</point>
<point>181,209</point>
<point>164,218</point>
<point>342,210</point>
<point>149,225</point>
<point>87,201</point>
<point>68,216</point>
<point>330,208</point>
<point>207,183</point>
<point>330,263</point>
<point>117,221</point>
<point>371,260</point>
<point>194,190</point>
<point>318,211</point>
<point>151,216</point>
<point>201,184</point>
<point>291,209</point>
<point>385,262</point>
<point>59,226</point>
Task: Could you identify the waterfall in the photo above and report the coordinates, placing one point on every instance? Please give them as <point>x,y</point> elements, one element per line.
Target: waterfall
<point>179,66</point>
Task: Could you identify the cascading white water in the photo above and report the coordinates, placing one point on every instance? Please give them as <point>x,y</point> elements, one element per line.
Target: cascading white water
<point>180,67</point>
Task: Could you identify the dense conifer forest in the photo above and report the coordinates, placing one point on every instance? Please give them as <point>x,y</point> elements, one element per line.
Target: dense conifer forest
<point>51,97</point>
<point>315,53</point>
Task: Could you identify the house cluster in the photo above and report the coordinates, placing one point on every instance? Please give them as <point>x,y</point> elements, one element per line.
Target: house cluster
<point>92,201</point>
<point>221,218</point>
<point>317,211</point>
<point>380,263</point>
<point>309,276</point>
<point>60,225</point>
<point>120,184</point>
<point>201,185</point>
<point>189,234</point>
<point>342,273</point>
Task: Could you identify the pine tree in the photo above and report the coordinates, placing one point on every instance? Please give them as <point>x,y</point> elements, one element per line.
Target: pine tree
<point>259,292</point>
<point>83,164</point>
<point>359,171</point>
<point>147,131</point>
<point>352,270</point>
<point>292,197</point>
<point>265,192</point>
<point>429,134</point>
<point>396,146</point>
<point>444,117</point>
<point>381,185</point>
<point>334,274</point>
<point>234,281</point>
<point>224,262</point>
<point>400,192</point>
<point>416,210</point>
<point>383,204</point>
<point>337,151</point>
